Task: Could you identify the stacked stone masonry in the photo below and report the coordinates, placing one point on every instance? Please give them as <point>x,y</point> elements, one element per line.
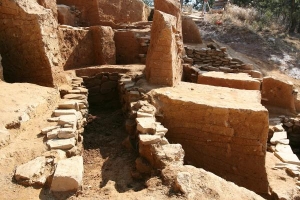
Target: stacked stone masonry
<point>64,142</point>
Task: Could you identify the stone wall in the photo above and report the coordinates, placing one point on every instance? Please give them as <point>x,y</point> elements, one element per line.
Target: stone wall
<point>29,43</point>
<point>131,45</point>
<point>278,93</point>
<point>109,12</point>
<point>86,46</point>
<point>222,130</point>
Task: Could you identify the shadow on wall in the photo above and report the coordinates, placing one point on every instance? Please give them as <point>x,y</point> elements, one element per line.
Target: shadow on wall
<point>1,70</point>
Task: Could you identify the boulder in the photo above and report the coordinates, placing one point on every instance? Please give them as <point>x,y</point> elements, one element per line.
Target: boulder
<point>32,173</point>
<point>68,175</point>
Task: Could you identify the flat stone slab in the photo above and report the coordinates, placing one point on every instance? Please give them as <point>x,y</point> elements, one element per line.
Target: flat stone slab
<point>63,144</point>
<point>284,148</point>
<point>66,133</point>
<point>277,136</point>
<point>68,175</point>
<point>288,158</point>
<point>146,125</point>
<point>67,119</point>
<point>231,80</point>
<point>149,139</point>
<point>71,104</point>
<point>48,129</point>
<point>75,96</point>
<point>31,173</point>
<point>61,112</point>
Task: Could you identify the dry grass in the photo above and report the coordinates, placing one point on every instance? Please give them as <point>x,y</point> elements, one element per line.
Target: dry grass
<point>240,16</point>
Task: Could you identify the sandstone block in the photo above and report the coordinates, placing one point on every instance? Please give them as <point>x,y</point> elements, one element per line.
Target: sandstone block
<point>63,144</point>
<point>183,182</point>
<point>69,105</point>
<point>65,16</point>
<point>278,136</point>
<point>149,139</point>
<point>278,93</point>
<point>284,148</point>
<point>52,134</point>
<point>238,81</point>
<point>32,173</point>
<point>66,133</point>
<point>57,155</point>
<point>287,157</point>
<point>146,125</point>
<point>75,96</point>
<point>67,119</point>
<point>68,175</point>
<point>60,112</point>
<point>48,129</point>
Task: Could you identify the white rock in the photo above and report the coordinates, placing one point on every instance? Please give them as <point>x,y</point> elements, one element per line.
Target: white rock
<point>32,173</point>
<point>284,148</point>
<point>164,141</point>
<point>63,144</point>
<point>53,119</point>
<point>149,139</point>
<point>283,141</point>
<point>69,105</point>
<point>288,158</point>
<point>57,155</point>
<point>146,125</point>
<point>67,119</point>
<point>61,112</point>
<point>183,182</point>
<point>278,128</point>
<point>68,175</point>
<point>142,114</point>
<point>66,133</point>
<point>4,138</point>
<point>278,136</point>
<point>48,129</point>
<point>52,134</point>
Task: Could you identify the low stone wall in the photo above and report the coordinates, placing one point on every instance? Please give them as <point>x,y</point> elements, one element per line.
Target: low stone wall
<point>103,88</point>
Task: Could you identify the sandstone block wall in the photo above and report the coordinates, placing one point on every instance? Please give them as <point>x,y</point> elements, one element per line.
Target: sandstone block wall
<point>29,43</point>
<point>221,130</point>
<point>278,93</point>
<point>86,46</point>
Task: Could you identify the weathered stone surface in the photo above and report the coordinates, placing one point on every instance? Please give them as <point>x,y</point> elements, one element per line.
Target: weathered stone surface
<point>273,91</point>
<point>231,80</point>
<point>149,139</point>
<point>142,165</point>
<point>33,27</point>
<point>57,155</point>
<point>68,175</point>
<point>4,138</point>
<point>284,148</point>
<point>205,185</point>
<point>52,134</point>
<point>183,182</point>
<point>146,125</point>
<point>32,173</point>
<point>67,119</point>
<point>75,96</point>
<point>66,133</point>
<point>104,45</point>
<point>63,144</point>
<point>109,12</point>
<point>65,16</point>
<point>48,129</point>
<point>277,136</point>
<point>190,31</point>
<point>163,64</point>
<point>60,112</point>
<point>288,157</point>
<point>222,130</point>
<point>49,4</point>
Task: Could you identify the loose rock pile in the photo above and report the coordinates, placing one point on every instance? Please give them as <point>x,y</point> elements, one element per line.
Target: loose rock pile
<point>63,140</point>
<point>283,135</point>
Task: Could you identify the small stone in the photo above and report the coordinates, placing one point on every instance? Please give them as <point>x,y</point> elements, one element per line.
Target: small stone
<point>183,182</point>
<point>53,119</point>
<point>52,134</point>
<point>66,133</point>
<point>57,155</point>
<point>67,119</point>
<point>142,114</point>
<point>68,175</point>
<point>149,139</point>
<point>61,112</point>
